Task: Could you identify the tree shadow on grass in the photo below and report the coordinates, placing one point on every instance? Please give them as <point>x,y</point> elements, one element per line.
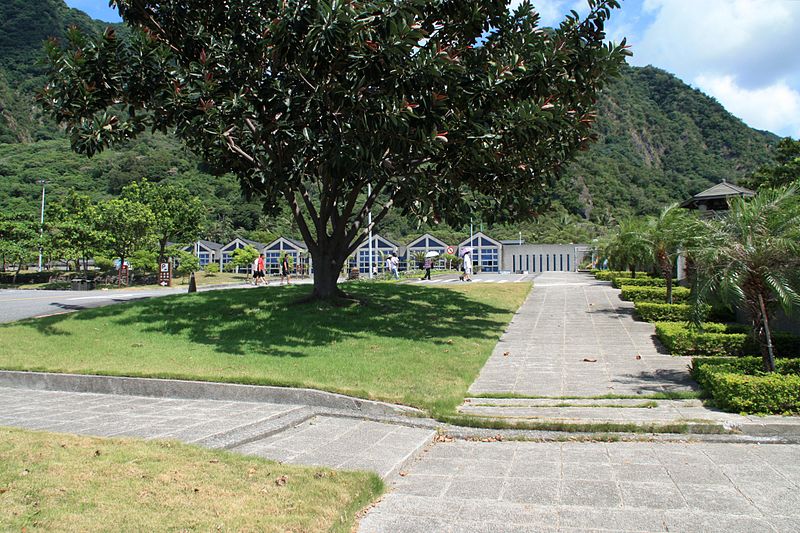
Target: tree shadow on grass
<point>270,322</point>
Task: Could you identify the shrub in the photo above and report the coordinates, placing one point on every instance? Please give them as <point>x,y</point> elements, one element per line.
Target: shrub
<point>661,312</point>
<point>211,269</point>
<point>738,385</point>
<point>654,294</point>
<point>28,277</point>
<point>608,275</point>
<point>620,281</point>
<point>684,339</point>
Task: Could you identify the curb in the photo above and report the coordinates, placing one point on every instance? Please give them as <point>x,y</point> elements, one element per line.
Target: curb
<point>199,390</point>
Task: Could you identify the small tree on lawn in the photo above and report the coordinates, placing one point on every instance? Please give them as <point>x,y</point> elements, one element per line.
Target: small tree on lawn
<point>754,259</point>
<point>447,109</point>
<point>178,215</point>
<point>126,224</point>
<point>186,263</point>
<point>243,257</point>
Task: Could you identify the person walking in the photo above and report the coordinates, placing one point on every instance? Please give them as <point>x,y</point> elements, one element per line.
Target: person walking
<point>427,266</point>
<point>395,265</point>
<point>468,266</point>
<point>285,269</point>
<point>258,270</point>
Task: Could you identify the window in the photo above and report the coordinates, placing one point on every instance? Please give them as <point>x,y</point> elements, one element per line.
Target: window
<point>204,258</point>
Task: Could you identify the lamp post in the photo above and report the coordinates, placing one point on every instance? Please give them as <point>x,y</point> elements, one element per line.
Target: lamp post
<point>369,223</point>
<point>43,183</point>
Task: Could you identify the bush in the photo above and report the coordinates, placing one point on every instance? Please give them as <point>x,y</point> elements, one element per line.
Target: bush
<point>714,339</point>
<point>619,281</point>
<point>211,269</point>
<point>654,294</point>
<point>739,385</point>
<point>661,312</point>
<point>608,275</point>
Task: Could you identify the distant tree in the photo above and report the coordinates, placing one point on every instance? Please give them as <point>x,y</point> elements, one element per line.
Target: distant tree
<point>19,240</point>
<point>445,108</point>
<point>673,232</point>
<point>127,225</point>
<point>783,172</point>
<point>72,228</point>
<point>178,215</point>
<point>630,246</point>
<point>753,260</point>
<point>243,257</point>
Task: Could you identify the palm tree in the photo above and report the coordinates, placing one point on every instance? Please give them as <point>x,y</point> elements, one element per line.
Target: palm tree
<point>754,259</point>
<point>673,232</point>
<point>629,247</point>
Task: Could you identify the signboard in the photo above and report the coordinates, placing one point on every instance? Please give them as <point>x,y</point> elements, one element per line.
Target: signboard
<point>122,279</point>
<point>165,275</point>
<point>451,250</point>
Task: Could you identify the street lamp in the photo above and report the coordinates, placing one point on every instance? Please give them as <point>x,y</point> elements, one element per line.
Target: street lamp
<point>43,183</point>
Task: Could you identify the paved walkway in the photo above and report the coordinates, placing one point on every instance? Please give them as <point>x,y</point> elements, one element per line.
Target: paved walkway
<point>524,487</point>
<point>573,336</point>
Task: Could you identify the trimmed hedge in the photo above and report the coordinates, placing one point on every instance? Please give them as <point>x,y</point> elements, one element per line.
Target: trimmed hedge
<point>714,339</point>
<point>640,281</point>
<point>27,277</point>
<point>609,275</point>
<point>654,294</point>
<point>661,312</point>
<point>734,340</point>
<point>739,385</point>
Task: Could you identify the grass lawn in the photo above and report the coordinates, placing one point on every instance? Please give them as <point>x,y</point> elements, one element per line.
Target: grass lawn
<point>416,345</point>
<point>53,482</point>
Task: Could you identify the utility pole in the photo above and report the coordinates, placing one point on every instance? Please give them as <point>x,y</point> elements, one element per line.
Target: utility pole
<point>41,223</point>
<point>369,223</point>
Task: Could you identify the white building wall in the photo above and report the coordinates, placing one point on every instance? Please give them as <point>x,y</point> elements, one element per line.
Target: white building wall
<point>541,257</point>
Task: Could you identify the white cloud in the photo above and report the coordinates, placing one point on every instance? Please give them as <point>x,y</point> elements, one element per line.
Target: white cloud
<point>774,108</point>
<point>755,41</point>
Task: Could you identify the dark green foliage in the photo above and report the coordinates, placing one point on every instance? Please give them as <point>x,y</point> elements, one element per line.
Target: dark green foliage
<point>738,385</point>
<point>654,294</point>
<point>783,171</point>
<point>639,281</point>
<point>661,312</point>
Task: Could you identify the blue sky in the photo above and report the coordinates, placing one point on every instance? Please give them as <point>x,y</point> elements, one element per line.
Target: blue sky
<point>744,53</point>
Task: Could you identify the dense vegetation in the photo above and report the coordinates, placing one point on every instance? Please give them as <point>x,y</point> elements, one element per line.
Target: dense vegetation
<point>659,141</point>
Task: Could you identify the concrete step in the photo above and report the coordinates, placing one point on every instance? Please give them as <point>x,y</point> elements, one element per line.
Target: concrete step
<point>344,443</point>
<point>624,412</point>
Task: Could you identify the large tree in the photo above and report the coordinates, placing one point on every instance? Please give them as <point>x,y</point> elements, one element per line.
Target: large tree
<point>127,226</point>
<point>447,108</point>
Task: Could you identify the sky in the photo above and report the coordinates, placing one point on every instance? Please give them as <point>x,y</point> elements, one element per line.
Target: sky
<point>744,53</point>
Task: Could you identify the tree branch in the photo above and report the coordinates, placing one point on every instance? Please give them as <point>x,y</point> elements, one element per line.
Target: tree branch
<point>297,213</point>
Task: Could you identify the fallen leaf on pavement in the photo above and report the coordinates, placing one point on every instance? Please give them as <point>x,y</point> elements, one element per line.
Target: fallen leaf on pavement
<point>587,360</point>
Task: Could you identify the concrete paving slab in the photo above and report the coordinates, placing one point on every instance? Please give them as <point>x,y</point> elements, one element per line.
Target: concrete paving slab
<point>638,491</point>
<point>343,443</point>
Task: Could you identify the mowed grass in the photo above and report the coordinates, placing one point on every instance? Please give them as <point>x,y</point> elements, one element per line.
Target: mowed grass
<point>53,482</point>
<point>418,346</point>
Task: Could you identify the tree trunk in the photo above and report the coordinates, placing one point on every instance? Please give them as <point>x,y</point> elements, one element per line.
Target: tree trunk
<point>327,267</point>
<point>633,271</point>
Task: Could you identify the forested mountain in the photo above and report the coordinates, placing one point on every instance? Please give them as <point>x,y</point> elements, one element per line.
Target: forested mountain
<point>659,141</point>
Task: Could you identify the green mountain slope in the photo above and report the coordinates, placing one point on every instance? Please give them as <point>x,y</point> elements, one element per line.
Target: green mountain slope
<point>659,141</point>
